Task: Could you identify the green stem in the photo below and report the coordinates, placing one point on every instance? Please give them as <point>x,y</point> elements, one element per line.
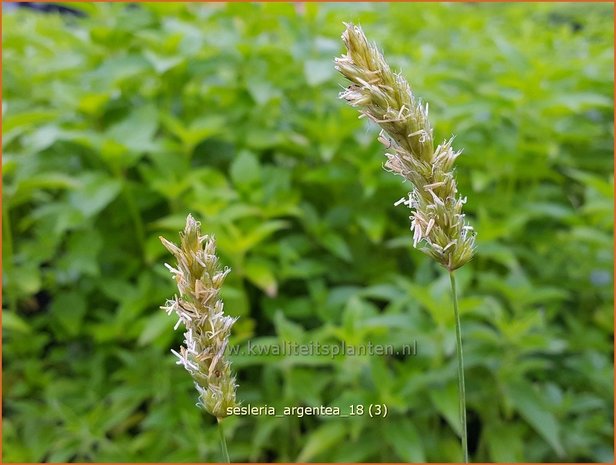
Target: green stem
<point>461,388</point>
<point>223,442</point>
<point>133,211</point>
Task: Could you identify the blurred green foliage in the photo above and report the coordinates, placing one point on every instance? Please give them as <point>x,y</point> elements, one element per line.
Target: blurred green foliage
<point>118,124</point>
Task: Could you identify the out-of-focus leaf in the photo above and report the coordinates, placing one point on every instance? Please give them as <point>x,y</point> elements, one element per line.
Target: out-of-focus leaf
<point>136,131</point>
<point>445,399</point>
<point>505,443</point>
<point>13,322</point>
<point>287,330</point>
<point>156,325</point>
<point>321,440</point>
<point>406,440</point>
<point>336,245</point>
<point>97,192</point>
<point>532,408</point>
<point>245,170</point>
<point>318,71</point>
<point>69,309</point>
<point>260,273</point>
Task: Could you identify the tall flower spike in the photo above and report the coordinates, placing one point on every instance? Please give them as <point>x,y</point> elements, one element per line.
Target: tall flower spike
<point>199,278</point>
<point>386,98</point>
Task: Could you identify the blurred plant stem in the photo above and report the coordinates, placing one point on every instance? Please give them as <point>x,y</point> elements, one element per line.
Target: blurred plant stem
<point>223,441</point>
<point>460,356</point>
<point>135,215</point>
<point>7,237</point>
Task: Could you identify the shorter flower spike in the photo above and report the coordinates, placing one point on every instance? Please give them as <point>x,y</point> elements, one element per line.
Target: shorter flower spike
<point>386,98</point>
<point>199,278</point>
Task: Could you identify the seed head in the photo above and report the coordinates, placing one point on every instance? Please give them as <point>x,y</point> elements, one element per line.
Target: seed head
<point>386,98</point>
<point>199,278</point>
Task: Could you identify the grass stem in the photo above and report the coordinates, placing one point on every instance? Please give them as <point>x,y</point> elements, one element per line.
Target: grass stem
<point>460,356</point>
<point>223,442</point>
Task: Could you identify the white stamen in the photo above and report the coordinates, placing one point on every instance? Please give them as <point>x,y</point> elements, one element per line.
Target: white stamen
<point>435,197</point>
<point>434,184</point>
<point>170,268</point>
<point>180,357</point>
<point>430,225</point>
<point>416,233</point>
<point>449,245</point>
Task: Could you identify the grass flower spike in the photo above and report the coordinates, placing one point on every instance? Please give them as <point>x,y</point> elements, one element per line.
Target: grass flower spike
<point>199,278</point>
<point>386,98</point>
<point>437,220</point>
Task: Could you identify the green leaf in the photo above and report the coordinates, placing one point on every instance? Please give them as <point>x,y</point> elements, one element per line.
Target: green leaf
<point>318,71</point>
<point>245,171</point>
<point>201,129</point>
<point>579,101</point>
<point>27,119</point>
<point>287,330</point>
<point>505,443</point>
<point>97,192</point>
<point>160,63</point>
<point>93,103</point>
<point>254,236</point>
<point>82,257</point>
<point>26,278</point>
<point>13,322</point>
<point>445,399</point>
<point>373,225</point>
<point>42,138</point>
<point>27,187</point>
<point>260,273</point>
<point>336,245</point>
<point>262,91</point>
<point>532,408</point>
<point>156,325</point>
<point>137,130</point>
<point>403,436</point>
<point>235,298</point>
<point>321,440</point>
<point>69,309</point>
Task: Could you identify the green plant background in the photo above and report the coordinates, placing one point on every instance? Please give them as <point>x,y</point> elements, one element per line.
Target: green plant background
<point>117,124</point>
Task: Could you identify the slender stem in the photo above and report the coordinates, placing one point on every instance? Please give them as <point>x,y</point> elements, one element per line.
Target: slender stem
<point>461,388</point>
<point>223,442</point>
<point>133,211</point>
